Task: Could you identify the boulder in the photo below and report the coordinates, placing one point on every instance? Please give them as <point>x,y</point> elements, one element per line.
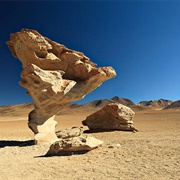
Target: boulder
<point>113,116</point>
<point>54,76</point>
<point>81,143</point>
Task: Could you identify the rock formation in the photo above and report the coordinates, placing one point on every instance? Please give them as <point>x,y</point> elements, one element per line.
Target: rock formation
<point>72,140</point>
<point>113,116</point>
<point>53,76</point>
<point>74,144</point>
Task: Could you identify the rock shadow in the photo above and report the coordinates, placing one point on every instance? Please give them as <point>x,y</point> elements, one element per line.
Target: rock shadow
<point>9,143</point>
<point>97,131</point>
<point>64,153</point>
<point>101,131</point>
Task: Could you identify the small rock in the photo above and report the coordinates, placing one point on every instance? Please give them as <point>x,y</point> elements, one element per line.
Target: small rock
<point>114,146</point>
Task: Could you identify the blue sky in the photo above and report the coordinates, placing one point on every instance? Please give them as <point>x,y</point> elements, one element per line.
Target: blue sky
<point>140,39</point>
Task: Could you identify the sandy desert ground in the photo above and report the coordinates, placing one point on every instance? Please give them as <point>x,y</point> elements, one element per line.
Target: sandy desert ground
<point>153,153</point>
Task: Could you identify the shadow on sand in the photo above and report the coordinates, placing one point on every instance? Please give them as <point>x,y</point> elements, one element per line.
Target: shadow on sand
<point>4,143</point>
<point>101,130</point>
<point>64,153</point>
<point>97,131</point>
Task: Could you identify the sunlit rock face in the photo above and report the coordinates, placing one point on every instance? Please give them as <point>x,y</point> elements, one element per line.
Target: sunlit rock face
<point>53,76</point>
<point>73,140</point>
<point>113,116</point>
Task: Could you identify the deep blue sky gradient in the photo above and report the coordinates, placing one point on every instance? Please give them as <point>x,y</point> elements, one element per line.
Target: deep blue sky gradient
<point>140,39</point>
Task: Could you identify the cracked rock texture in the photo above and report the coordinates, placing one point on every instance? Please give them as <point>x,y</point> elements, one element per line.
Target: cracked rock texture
<point>82,143</point>
<point>113,116</point>
<point>69,132</point>
<point>53,76</point>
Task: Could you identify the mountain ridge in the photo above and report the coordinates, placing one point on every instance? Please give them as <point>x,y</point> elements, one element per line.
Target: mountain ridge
<point>174,105</point>
<point>161,104</point>
<point>142,105</point>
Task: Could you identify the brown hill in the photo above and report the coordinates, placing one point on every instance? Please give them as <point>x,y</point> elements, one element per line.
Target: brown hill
<point>124,101</point>
<point>156,104</point>
<point>101,103</point>
<point>138,107</point>
<point>16,110</point>
<point>24,109</point>
<point>174,105</point>
<point>92,106</point>
<point>97,104</point>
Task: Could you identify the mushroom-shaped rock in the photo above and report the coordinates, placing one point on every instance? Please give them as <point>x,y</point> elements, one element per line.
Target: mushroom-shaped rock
<point>54,76</point>
<point>113,116</point>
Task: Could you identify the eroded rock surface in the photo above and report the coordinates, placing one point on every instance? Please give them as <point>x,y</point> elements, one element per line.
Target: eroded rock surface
<point>69,132</point>
<point>74,144</point>
<point>113,116</point>
<point>72,140</point>
<point>53,76</point>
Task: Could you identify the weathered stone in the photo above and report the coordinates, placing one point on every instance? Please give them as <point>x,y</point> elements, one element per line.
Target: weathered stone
<point>74,144</point>
<point>53,76</point>
<point>70,132</point>
<point>114,146</point>
<point>113,116</point>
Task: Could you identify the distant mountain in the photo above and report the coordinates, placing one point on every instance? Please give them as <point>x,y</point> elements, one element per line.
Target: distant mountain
<point>24,109</point>
<point>124,101</point>
<point>16,110</point>
<point>97,104</point>
<point>129,103</point>
<point>174,105</point>
<point>156,104</point>
<point>143,105</point>
<point>101,103</point>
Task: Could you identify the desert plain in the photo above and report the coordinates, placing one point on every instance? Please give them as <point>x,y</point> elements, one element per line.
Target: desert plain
<point>152,153</point>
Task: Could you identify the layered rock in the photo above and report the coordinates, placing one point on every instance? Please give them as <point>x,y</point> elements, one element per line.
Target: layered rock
<point>73,140</point>
<point>53,76</point>
<point>113,116</point>
<point>73,145</point>
<point>69,132</point>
